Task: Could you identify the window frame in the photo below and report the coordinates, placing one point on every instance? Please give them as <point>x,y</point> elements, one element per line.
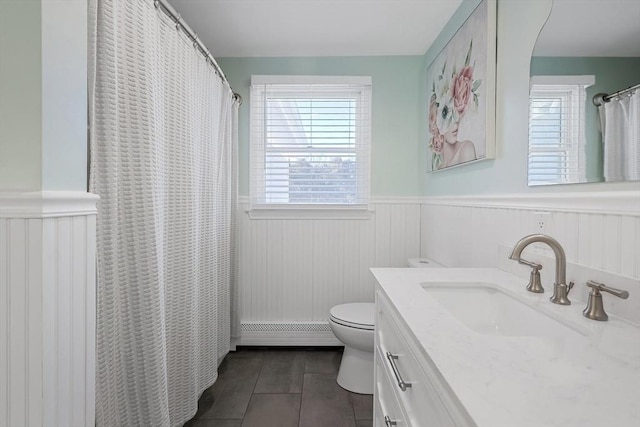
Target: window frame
<point>259,207</point>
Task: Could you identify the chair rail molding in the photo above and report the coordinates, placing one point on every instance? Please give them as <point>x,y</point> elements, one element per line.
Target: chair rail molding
<point>47,204</point>
<point>625,203</point>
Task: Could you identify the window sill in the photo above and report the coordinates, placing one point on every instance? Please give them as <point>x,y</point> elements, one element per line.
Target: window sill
<point>310,212</point>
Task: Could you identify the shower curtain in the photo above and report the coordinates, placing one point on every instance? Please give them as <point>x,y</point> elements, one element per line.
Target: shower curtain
<point>621,134</point>
<point>162,162</point>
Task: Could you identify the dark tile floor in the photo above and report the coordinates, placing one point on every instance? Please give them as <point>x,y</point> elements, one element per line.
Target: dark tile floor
<point>265,387</point>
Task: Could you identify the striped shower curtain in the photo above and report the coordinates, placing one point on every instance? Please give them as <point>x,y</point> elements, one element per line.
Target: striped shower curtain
<point>162,162</point>
<point>620,123</point>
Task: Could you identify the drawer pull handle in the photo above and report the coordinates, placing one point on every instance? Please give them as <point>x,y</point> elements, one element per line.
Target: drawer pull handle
<point>389,422</point>
<point>392,361</point>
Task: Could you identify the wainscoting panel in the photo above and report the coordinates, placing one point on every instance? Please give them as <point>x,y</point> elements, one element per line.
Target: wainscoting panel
<point>292,271</point>
<point>600,234</point>
<point>459,233</point>
<point>20,322</point>
<point>47,313</point>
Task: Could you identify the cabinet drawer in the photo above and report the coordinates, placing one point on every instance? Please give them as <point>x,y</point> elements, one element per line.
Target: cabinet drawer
<point>420,400</point>
<point>386,402</point>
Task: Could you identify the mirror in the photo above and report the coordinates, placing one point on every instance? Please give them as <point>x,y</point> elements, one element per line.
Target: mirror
<point>585,48</point>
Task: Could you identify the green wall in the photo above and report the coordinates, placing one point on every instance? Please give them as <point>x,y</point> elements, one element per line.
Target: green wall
<point>395,136</point>
<point>399,142</point>
<point>611,75</point>
<point>43,95</point>
<point>20,96</point>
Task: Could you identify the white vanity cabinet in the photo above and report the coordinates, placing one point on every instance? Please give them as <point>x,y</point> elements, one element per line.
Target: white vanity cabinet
<point>408,390</point>
<point>461,340</point>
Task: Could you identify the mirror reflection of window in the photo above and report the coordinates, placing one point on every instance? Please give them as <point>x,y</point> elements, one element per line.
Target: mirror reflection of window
<point>556,129</point>
<point>589,38</point>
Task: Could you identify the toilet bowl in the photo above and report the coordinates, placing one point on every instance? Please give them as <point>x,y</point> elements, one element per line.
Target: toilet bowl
<point>353,324</point>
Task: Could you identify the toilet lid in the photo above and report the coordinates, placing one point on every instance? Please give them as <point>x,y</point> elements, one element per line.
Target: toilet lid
<point>357,315</point>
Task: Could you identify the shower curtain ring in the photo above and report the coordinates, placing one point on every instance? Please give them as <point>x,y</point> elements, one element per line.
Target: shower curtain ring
<point>195,40</point>
<point>178,22</point>
<point>156,3</point>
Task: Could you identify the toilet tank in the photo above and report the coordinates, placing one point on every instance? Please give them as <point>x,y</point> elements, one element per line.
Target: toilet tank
<point>422,263</point>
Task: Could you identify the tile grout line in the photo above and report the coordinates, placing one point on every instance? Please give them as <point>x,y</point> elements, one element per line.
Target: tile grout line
<point>353,409</point>
<point>304,368</point>
<point>244,414</point>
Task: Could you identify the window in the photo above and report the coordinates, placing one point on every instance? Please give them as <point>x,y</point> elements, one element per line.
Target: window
<point>310,141</point>
<point>557,129</point>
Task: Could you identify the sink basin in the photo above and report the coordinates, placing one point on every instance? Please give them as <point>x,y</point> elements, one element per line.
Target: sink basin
<point>487,310</point>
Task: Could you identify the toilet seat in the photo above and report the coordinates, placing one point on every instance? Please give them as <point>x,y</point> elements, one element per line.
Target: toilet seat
<point>355,315</point>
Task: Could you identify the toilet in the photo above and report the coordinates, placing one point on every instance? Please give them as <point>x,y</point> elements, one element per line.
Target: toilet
<point>353,324</point>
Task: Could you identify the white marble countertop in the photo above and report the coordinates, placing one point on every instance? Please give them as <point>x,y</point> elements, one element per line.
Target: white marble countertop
<point>588,379</point>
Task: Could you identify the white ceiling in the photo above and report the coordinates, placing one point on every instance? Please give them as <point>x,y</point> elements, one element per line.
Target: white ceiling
<point>591,28</point>
<point>253,28</point>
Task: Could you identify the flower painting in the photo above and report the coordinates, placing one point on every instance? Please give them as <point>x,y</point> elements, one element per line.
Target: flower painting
<point>461,84</point>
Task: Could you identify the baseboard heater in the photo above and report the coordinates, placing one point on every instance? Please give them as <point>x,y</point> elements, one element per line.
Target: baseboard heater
<point>287,334</point>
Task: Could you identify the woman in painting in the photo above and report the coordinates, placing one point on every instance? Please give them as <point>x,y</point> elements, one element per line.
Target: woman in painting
<point>454,151</point>
<point>448,104</point>
<point>447,150</point>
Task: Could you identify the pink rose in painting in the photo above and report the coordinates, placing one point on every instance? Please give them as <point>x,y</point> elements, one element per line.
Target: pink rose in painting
<point>433,117</point>
<point>437,142</point>
<point>462,83</point>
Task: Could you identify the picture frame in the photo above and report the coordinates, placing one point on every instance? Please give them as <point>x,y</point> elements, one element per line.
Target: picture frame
<point>461,94</point>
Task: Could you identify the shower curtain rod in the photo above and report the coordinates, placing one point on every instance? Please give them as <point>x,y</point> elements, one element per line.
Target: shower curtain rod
<point>180,24</point>
<point>600,98</point>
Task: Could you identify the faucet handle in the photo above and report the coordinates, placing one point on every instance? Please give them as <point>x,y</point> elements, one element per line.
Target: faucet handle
<point>534,285</point>
<point>597,287</point>
<point>595,308</point>
<point>533,265</point>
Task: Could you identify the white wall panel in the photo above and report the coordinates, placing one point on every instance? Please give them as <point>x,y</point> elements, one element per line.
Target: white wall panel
<point>295,270</point>
<point>468,236</point>
<point>50,321</point>
<point>47,318</point>
<point>600,244</point>
<point>18,322</point>
<point>4,323</point>
<point>629,246</point>
<point>35,342</point>
<point>584,238</point>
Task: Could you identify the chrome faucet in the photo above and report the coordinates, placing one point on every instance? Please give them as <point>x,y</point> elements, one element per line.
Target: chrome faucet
<point>560,287</point>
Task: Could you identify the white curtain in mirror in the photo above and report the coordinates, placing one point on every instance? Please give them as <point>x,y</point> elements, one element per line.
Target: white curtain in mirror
<point>621,131</point>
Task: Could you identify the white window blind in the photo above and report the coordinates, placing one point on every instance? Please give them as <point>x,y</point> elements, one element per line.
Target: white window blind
<point>310,141</point>
<point>557,131</point>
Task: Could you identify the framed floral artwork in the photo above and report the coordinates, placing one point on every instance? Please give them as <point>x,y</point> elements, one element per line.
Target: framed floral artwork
<point>461,93</point>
